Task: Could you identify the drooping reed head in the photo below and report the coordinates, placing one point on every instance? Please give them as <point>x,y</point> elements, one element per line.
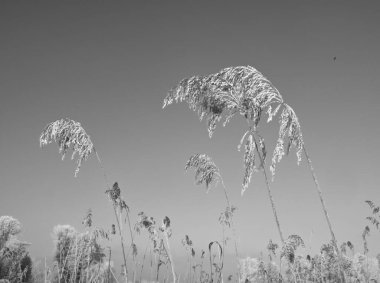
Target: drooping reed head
<point>166,227</point>
<point>289,136</point>
<point>205,170</point>
<point>243,90</point>
<point>375,217</point>
<point>290,246</point>
<point>69,135</point>
<point>87,220</point>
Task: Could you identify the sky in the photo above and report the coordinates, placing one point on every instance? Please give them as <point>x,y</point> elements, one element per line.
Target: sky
<point>109,65</point>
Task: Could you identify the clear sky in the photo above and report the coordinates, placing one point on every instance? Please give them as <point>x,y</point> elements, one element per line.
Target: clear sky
<point>109,66</point>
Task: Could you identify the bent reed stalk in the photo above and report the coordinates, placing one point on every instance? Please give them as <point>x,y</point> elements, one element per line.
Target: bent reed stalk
<point>244,90</point>
<point>208,173</point>
<point>69,134</point>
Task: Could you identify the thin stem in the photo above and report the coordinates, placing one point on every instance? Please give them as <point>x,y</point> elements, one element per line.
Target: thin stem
<point>117,281</point>
<point>170,257</point>
<point>211,279</point>
<point>131,233</point>
<point>89,250</point>
<point>269,192</point>
<point>158,262</point>
<point>109,266</point>
<point>116,216</point>
<point>45,271</point>
<point>321,198</point>
<point>232,224</point>
<point>311,168</point>
<point>122,244</point>
<point>142,265</point>
<point>75,259</point>
<point>105,176</point>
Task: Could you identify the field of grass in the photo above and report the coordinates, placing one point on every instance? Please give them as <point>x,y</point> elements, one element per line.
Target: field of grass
<point>86,256</point>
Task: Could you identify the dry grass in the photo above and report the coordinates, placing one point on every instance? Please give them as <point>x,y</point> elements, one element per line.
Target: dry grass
<point>69,135</point>
<point>217,97</point>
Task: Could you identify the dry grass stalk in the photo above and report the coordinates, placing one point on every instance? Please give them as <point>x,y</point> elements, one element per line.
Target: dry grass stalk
<point>208,173</point>
<point>69,135</point>
<point>244,90</point>
<point>241,90</point>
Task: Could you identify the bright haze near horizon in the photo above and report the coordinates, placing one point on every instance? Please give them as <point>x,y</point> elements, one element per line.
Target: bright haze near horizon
<point>109,66</point>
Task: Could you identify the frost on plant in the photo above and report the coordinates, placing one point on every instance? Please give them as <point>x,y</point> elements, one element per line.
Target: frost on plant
<point>235,90</point>
<point>240,90</point>
<point>15,262</point>
<point>69,135</point>
<point>289,136</point>
<point>9,227</point>
<point>254,155</point>
<point>205,170</point>
<point>290,246</point>
<point>255,270</point>
<point>225,217</point>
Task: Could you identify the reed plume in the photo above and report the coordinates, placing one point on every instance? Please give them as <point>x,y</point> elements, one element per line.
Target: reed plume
<point>69,135</point>
<point>244,90</point>
<point>240,90</point>
<point>375,218</point>
<point>205,170</point>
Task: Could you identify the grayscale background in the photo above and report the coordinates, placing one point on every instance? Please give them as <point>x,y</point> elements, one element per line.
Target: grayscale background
<point>109,66</point>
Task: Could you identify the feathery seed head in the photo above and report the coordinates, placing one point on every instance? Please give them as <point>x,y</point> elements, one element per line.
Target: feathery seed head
<point>248,269</point>
<point>205,170</point>
<point>69,135</point>
<point>114,193</point>
<point>87,221</point>
<point>9,227</point>
<point>289,136</point>
<point>272,247</point>
<point>63,232</point>
<point>165,227</point>
<point>243,90</point>
<point>232,90</point>
<point>254,147</point>
<point>226,216</point>
<point>186,242</point>
<point>290,246</point>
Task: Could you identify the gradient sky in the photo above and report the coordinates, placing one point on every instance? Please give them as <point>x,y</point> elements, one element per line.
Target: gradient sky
<point>109,66</point>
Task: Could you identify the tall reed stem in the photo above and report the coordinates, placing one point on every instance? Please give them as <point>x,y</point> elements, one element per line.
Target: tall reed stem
<point>116,216</point>
<point>170,257</point>
<point>89,251</point>
<point>232,226</point>
<point>45,272</point>
<point>109,266</point>
<point>311,168</point>
<point>269,192</point>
